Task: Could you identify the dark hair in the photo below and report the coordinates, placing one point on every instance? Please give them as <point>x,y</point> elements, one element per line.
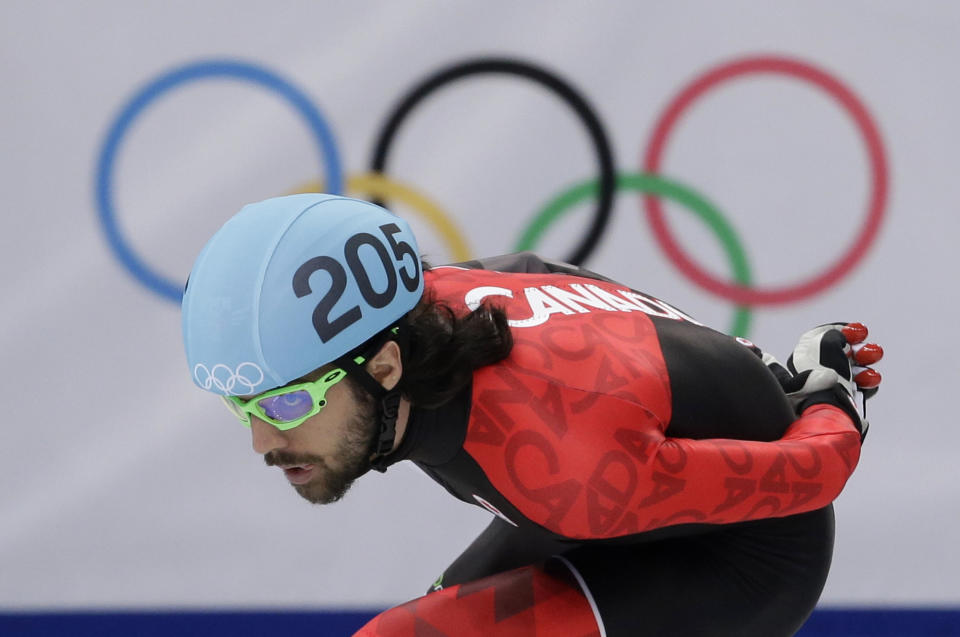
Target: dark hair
<point>440,350</point>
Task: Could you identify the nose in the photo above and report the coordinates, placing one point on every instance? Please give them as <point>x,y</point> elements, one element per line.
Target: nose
<point>266,437</point>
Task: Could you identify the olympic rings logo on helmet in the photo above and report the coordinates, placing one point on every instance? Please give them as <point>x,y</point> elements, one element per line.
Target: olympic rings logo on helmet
<point>224,379</point>
<point>649,183</point>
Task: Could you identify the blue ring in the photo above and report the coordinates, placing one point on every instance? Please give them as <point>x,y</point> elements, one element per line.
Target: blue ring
<point>322,134</point>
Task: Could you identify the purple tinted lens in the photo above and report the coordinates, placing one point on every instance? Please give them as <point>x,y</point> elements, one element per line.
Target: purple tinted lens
<point>287,407</point>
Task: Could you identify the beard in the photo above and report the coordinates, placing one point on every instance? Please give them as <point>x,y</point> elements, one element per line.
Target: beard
<point>353,455</point>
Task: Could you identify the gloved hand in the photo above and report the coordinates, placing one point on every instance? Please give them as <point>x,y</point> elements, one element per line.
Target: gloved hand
<point>829,365</point>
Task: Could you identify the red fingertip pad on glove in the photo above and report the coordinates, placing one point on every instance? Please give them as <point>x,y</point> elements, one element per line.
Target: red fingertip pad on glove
<point>868,379</point>
<point>867,354</point>
<point>854,332</point>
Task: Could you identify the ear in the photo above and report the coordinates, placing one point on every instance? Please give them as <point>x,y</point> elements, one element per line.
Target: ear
<point>386,366</point>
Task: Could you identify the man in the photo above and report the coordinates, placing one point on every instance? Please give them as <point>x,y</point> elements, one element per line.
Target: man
<point>647,475</point>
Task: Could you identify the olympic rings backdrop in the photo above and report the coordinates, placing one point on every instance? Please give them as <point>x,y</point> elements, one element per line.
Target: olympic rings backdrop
<point>602,189</point>
<point>765,175</point>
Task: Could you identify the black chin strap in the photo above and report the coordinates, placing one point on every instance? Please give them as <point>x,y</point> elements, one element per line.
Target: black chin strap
<point>387,405</point>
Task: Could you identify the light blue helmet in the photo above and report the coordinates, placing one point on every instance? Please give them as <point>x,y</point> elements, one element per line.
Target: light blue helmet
<point>293,283</point>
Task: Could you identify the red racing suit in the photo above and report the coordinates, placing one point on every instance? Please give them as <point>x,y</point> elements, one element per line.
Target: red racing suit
<point>619,425</point>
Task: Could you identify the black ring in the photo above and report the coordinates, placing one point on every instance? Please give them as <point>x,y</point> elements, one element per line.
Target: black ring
<point>558,86</point>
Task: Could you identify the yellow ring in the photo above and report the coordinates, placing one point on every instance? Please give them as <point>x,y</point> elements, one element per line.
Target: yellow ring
<point>381,187</point>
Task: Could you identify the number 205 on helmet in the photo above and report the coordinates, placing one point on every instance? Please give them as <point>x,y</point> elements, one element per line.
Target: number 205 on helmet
<point>292,283</point>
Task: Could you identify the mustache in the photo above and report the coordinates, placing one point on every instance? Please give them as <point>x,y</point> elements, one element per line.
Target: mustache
<point>274,458</point>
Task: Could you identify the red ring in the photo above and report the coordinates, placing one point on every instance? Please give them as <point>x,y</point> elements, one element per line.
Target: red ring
<point>878,166</point>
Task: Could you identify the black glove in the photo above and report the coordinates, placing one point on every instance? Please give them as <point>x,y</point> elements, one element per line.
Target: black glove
<point>829,365</point>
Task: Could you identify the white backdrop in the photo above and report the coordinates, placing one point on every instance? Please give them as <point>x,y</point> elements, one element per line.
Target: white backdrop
<point>124,485</point>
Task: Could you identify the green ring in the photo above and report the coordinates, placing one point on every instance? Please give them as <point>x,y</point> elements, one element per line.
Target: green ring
<point>648,183</point>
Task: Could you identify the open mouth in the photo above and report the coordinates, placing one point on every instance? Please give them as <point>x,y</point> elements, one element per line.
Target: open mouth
<point>298,474</point>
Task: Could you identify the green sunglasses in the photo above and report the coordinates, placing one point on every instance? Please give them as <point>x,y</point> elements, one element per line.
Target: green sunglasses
<point>289,406</point>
